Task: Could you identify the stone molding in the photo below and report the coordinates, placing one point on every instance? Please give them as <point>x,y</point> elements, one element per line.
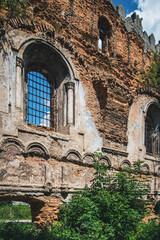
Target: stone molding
<point>150,91</point>
<point>19,62</point>
<point>30,25</point>
<point>114,152</point>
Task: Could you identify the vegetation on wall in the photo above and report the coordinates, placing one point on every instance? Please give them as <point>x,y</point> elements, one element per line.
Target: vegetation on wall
<point>112,209</point>
<point>152,77</point>
<point>15,8</point>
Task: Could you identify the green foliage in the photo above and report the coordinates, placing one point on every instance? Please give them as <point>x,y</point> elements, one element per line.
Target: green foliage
<point>14,212</point>
<point>157,209</point>
<point>152,77</point>
<point>150,230</point>
<point>112,208</point>
<point>11,231</point>
<point>4,203</point>
<point>15,8</point>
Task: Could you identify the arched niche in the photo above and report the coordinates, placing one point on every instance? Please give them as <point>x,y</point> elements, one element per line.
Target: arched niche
<point>89,158</point>
<point>106,161</point>
<point>12,144</point>
<point>37,148</point>
<point>145,168</point>
<point>73,155</point>
<point>125,164</point>
<point>105,32</point>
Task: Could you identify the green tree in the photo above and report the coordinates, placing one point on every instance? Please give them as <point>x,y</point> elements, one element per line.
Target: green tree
<point>152,77</point>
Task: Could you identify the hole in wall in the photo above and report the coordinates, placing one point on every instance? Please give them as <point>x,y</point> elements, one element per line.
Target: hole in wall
<point>64,195</point>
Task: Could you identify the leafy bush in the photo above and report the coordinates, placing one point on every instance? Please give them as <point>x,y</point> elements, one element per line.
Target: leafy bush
<point>12,231</point>
<point>150,230</point>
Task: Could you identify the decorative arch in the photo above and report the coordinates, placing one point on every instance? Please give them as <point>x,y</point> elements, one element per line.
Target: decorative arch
<point>59,51</point>
<point>88,158</point>
<point>74,155</point>
<point>125,164</point>
<point>37,148</point>
<point>106,161</point>
<point>12,142</point>
<point>149,104</point>
<point>145,168</point>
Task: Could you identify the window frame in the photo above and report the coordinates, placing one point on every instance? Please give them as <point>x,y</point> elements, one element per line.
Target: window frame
<point>154,136</point>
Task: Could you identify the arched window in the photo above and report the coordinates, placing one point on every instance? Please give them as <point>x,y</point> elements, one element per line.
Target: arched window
<point>38,99</point>
<point>104,29</point>
<point>152,130</point>
<point>46,88</point>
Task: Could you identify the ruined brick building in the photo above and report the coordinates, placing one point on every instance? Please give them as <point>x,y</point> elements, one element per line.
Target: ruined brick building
<point>70,84</point>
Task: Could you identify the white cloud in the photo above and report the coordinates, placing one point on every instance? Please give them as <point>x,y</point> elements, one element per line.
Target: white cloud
<point>45,121</point>
<point>149,10</point>
<point>46,102</point>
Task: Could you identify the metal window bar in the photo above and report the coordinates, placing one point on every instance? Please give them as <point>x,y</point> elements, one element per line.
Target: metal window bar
<point>148,136</point>
<point>156,141</point>
<point>38,99</point>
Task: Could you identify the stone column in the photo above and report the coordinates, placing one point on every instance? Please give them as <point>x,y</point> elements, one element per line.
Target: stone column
<point>19,73</point>
<point>70,102</point>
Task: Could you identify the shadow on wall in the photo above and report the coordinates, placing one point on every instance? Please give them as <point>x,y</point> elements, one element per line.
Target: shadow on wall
<point>101,92</point>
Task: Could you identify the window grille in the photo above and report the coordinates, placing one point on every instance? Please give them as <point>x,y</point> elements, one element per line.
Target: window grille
<point>152,131</point>
<point>38,99</point>
<point>148,135</point>
<point>156,141</point>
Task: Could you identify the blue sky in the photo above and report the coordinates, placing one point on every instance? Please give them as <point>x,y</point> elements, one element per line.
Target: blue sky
<point>149,10</point>
<point>38,106</point>
<point>128,5</point>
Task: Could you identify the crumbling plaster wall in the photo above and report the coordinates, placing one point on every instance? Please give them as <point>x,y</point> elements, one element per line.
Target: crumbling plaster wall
<point>136,135</point>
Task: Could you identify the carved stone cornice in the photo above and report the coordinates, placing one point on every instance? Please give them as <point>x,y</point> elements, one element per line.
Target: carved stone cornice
<point>70,85</point>
<point>114,152</point>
